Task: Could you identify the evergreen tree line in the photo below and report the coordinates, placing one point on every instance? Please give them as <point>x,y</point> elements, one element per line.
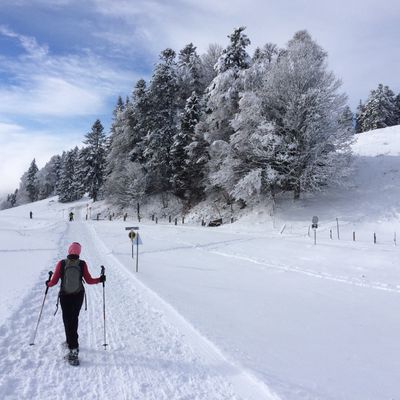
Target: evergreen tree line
<point>238,126</point>
<point>382,109</point>
<point>70,175</point>
<point>222,124</point>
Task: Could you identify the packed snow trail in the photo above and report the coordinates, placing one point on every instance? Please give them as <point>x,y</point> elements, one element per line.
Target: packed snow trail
<point>152,352</point>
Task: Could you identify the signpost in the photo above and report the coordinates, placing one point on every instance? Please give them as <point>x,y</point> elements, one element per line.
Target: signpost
<point>134,237</point>
<point>315,226</point>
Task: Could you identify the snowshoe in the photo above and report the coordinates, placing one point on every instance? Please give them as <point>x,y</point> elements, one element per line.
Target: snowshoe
<point>72,357</point>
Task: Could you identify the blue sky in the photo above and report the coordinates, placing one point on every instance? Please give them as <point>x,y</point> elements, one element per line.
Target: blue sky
<point>63,63</point>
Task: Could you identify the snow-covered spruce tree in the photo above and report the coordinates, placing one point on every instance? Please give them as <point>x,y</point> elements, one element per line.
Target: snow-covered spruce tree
<point>124,171</point>
<point>32,187</point>
<point>13,198</point>
<point>223,92</point>
<point>139,124</point>
<point>397,109</point>
<point>23,196</point>
<point>198,158</point>
<point>10,201</point>
<point>222,104</point>
<point>115,124</point>
<point>142,119</point>
<point>182,164</point>
<point>69,188</point>
<point>48,177</point>
<point>359,116</point>
<point>163,121</point>
<point>189,74</point>
<point>80,173</point>
<point>304,105</point>
<point>346,120</point>
<point>116,151</point>
<point>94,159</point>
<point>379,110</point>
<point>60,172</point>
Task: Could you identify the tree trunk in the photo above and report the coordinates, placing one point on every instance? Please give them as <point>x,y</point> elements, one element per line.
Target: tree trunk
<point>296,190</point>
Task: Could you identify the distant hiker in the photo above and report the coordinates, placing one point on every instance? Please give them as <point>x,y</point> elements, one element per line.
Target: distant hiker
<point>71,271</point>
<point>125,216</point>
<point>30,214</point>
<point>71,216</point>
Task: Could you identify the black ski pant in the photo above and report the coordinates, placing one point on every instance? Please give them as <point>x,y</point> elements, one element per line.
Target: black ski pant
<point>71,306</point>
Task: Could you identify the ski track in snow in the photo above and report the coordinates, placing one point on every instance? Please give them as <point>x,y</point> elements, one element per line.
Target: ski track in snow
<point>151,353</point>
<point>212,248</point>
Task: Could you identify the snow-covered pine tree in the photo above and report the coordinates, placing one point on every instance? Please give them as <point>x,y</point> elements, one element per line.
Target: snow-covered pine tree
<point>10,201</point>
<point>222,103</point>
<point>397,109</point>
<point>67,188</point>
<point>115,153</point>
<point>124,173</point>
<point>379,110</point>
<point>48,177</point>
<point>23,196</point>
<point>32,187</point>
<point>305,108</point>
<point>198,158</point>
<point>94,159</point>
<point>79,186</point>
<point>141,117</point>
<point>392,112</point>
<point>13,198</point>
<point>162,123</point>
<point>359,117</point>
<point>138,123</point>
<point>60,172</point>
<point>346,120</point>
<point>223,92</point>
<point>189,73</point>
<point>181,164</point>
<point>119,108</point>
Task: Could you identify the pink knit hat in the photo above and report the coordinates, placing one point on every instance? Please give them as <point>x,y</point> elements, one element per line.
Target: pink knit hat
<point>74,248</point>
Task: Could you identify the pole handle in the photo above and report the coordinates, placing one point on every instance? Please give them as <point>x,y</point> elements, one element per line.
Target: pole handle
<point>50,275</point>
<point>102,272</point>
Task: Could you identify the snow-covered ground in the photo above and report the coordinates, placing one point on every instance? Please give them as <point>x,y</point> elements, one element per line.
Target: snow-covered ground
<point>251,310</point>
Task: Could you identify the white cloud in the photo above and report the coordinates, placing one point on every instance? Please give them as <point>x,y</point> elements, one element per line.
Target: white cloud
<point>53,85</point>
<point>359,36</point>
<point>49,96</point>
<point>18,147</point>
<point>28,43</point>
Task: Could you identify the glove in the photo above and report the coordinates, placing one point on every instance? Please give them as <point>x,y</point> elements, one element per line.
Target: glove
<point>102,278</point>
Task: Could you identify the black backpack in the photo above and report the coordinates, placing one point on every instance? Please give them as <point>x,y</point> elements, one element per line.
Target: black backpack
<point>71,276</point>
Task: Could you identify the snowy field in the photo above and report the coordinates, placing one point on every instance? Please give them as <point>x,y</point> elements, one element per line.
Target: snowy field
<point>250,310</point>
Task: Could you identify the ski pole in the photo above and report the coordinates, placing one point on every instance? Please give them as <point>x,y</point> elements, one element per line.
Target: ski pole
<point>104,308</point>
<point>41,310</point>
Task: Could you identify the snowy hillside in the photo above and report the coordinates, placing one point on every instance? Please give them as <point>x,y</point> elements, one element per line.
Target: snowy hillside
<point>250,310</point>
